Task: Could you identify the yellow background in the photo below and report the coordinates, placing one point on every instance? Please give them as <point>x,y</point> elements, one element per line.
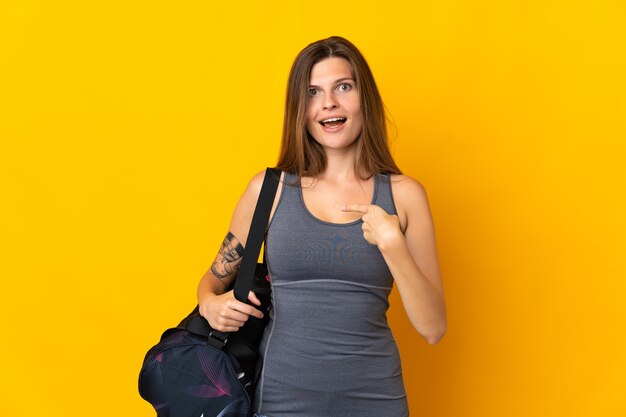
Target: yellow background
<point>129,129</point>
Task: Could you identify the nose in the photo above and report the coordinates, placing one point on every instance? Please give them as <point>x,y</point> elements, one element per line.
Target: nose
<point>329,101</point>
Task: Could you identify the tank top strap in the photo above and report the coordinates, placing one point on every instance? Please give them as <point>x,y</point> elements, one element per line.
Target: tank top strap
<point>291,187</point>
<point>384,195</point>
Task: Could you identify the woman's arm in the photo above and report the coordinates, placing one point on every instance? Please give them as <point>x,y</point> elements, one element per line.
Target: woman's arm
<point>411,256</point>
<point>220,308</point>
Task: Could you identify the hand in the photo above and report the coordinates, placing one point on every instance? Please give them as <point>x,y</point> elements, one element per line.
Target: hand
<point>379,227</point>
<point>226,314</point>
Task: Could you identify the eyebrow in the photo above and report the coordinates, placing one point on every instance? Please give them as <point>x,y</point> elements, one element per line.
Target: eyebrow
<point>336,81</point>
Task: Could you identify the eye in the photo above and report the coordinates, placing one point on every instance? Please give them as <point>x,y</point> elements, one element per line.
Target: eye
<point>312,92</point>
<point>345,87</point>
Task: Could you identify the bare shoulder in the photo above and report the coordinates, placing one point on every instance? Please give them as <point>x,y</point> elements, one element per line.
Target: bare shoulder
<point>250,195</point>
<point>244,211</point>
<point>407,191</point>
<point>407,186</point>
<point>253,190</point>
<point>255,183</point>
<point>410,198</point>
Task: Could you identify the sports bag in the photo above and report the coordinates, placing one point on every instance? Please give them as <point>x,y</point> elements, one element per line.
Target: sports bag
<point>196,371</point>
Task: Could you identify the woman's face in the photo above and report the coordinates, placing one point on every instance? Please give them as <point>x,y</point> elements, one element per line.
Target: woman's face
<point>333,95</point>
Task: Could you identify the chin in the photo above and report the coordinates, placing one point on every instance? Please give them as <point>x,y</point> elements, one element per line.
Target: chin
<point>337,144</point>
<point>329,140</point>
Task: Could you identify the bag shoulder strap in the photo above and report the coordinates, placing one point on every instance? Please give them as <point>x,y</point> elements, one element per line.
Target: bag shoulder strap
<point>197,324</point>
<point>256,236</point>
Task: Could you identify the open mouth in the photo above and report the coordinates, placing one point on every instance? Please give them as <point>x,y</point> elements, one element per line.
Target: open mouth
<point>334,122</point>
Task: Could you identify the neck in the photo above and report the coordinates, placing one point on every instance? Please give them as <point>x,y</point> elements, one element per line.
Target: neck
<point>340,165</point>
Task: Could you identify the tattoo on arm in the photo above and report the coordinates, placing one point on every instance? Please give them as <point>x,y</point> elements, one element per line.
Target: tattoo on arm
<point>228,258</point>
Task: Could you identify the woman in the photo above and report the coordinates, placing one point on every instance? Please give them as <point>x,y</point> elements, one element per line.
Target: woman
<point>345,226</point>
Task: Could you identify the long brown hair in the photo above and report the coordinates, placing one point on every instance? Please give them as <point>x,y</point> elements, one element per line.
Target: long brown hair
<point>300,154</point>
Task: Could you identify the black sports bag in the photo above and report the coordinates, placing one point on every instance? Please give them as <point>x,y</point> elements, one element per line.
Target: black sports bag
<point>195,371</point>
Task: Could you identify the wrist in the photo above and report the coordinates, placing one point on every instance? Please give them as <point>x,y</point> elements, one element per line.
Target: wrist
<point>205,297</point>
<point>392,242</point>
